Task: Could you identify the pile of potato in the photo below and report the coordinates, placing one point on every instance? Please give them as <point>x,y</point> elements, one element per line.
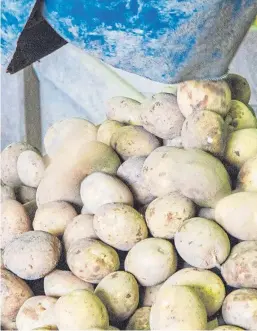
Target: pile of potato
<point>146,222</point>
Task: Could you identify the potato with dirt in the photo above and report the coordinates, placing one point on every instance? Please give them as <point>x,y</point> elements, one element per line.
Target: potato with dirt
<point>236,213</point>
<point>106,130</point>
<point>130,226</point>
<point>204,95</point>
<point>240,309</point>
<point>247,177</point>
<point>140,319</point>
<point>120,294</point>
<point>99,188</point>
<point>32,255</point>
<point>14,292</point>
<point>240,269</point>
<point>161,116</point>
<point>240,88</point>
<point>91,260</point>
<point>7,193</point>
<point>202,243</point>
<point>149,295</point>
<point>165,215</point>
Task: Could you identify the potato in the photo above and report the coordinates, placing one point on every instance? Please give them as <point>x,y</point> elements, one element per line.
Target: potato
<point>149,295</point>
<point>131,173</point>
<point>9,158</point>
<point>237,214</point>
<point>175,142</point>
<point>212,324</point>
<point>7,193</point>
<point>247,177</point>
<point>60,282</point>
<point>241,146</point>
<point>32,255</point>
<point>91,260</point>
<point>79,159</point>
<point>36,312</point>
<point>161,116</point>
<point>240,117</point>
<point>14,221</point>
<point>151,261</point>
<point>46,328</point>
<point>204,95</point>
<point>99,189</point>
<point>53,217</point>
<point>208,213</point>
<point>25,194</point>
<point>240,89</point>
<point>133,141</point>
<point>80,227</point>
<point>178,308</point>
<point>240,308</point>
<point>140,319</point>
<point>202,243</point>
<point>194,173</point>
<point>228,328</point>
<point>30,208</point>
<point>124,110</point>
<point>165,215</point>
<point>208,286</point>
<point>119,293</point>
<point>14,292</point>
<point>61,132</point>
<point>205,130</point>
<point>130,226</point>
<point>91,313</point>
<point>240,269</point>
<point>106,130</point>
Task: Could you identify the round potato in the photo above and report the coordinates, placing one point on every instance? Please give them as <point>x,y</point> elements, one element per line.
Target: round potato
<point>25,194</point>
<point>60,282</point>
<point>120,294</point>
<point>236,213</point>
<point>91,260</point>
<point>208,286</point>
<point>161,116</point>
<point>14,292</point>
<point>204,95</point>
<point>202,243</point>
<point>151,261</point>
<point>130,226</point>
<point>149,295</point>
<point>241,146</point>
<point>247,177</point>
<point>131,173</point>
<point>165,215</point>
<point>240,88</point>
<point>131,141</point>
<point>208,213</point>
<point>175,142</point>
<point>36,312</point>
<point>240,269</point>
<point>240,308</point>
<point>80,227</point>
<point>140,319</point>
<point>53,217</point>
<point>14,221</point>
<point>178,308</point>
<point>33,254</point>
<point>106,130</point>
<point>7,193</point>
<point>204,130</point>
<point>240,117</point>
<point>99,189</point>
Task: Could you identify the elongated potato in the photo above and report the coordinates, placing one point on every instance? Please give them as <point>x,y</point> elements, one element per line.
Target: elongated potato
<point>25,194</point>
<point>240,269</point>
<point>99,189</point>
<point>130,226</point>
<point>120,295</point>
<point>7,193</point>
<point>149,295</point>
<point>151,261</point>
<point>240,117</point>
<point>208,286</point>
<point>14,292</point>
<point>240,308</point>
<point>240,88</point>
<point>106,130</point>
<point>237,214</point>
<point>165,215</point>
<point>178,308</point>
<point>140,319</point>
<point>247,177</point>
<point>202,243</point>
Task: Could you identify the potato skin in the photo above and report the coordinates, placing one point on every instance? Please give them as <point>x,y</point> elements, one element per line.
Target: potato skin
<point>91,313</point>
<point>247,177</point>
<point>140,319</point>
<point>14,292</point>
<point>151,261</point>
<point>14,221</point>
<point>119,293</point>
<point>7,193</point>
<point>149,295</point>
<point>32,255</point>
<point>240,269</point>
<point>240,117</point>
<point>178,308</point>
<point>240,88</point>
<point>106,130</point>
<point>130,226</point>
<point>240,308</point>
<point>91,260</point>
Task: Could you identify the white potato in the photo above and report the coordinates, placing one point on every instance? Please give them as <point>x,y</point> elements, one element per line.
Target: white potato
<point>106,130</point>
<point>247,177</point>
<point>149,295</point>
